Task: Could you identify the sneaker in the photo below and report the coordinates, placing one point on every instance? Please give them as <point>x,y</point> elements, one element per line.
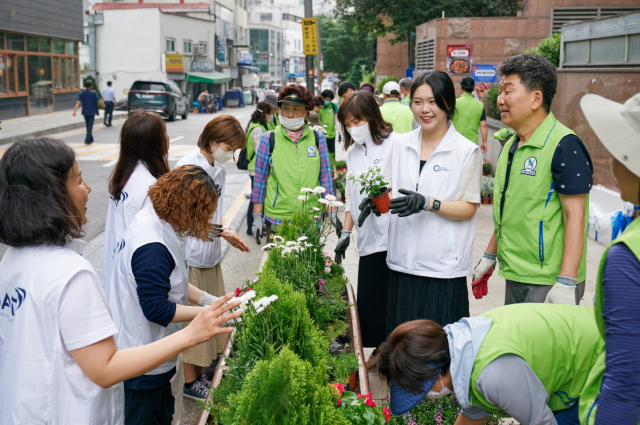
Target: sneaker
<point>205,379</point>
<point>249,232</point>
<point>88,142</point>
<point>198,391</point>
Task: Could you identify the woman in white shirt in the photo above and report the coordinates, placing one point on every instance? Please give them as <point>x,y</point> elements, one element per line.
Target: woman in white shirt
<point>369,140</point>
<point>144,146</point>
<point>56,329</point>
<point>216,145</point>
<point>437,174</point>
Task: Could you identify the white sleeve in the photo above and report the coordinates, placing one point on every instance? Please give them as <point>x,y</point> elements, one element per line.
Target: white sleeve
<point>387,172</point>
<point>83,313</point>
<point>347,200</point>
<point>471,179</point>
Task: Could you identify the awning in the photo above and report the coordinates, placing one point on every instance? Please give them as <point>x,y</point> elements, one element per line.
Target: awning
<point>249,67</point>
<point>207,77</point>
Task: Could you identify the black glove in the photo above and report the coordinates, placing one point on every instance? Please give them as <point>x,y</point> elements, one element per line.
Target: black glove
<point>342,245</point>
<point>407,205</point>
<point>366,207</point>
<point>333,217</point>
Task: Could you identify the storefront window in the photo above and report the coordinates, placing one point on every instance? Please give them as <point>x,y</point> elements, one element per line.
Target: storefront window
<point>1,40</point>
<point>72,48</point>
<point>40,88</point>
<point>68,66</point>
<point>15,42</point>
<point>32,44</point>
<point>3,75</point>
<point>45,45</point>
<point>63,73</point>
<point>21,74</point>
<point>11,84</point>
<point>74,72</point>
<point>55,73</point>
<point>58,46</point>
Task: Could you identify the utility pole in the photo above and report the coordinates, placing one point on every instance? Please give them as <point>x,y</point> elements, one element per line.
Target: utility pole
<point>320,57</point>
<point>308,13</point>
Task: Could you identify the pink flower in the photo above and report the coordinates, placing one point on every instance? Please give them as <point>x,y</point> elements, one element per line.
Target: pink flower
<point>327,269</point>
<point>339,402</point>
<point>387,413</point>
<point>327,263</point>
<point>370,403</point>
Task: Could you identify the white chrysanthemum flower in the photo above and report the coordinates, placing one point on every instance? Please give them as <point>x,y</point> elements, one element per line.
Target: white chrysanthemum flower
<point>302,238</point>
<point>272,298</point>
<point>316,209</point>
<point>336,204</point>
<point>259,310</point>
<point>315,217</point>
<point>295,248</point>
<point>315,250</point>
<point>303,197</point>
<point>330,198</point>
<point>291,243</point>
<point>303,249</point>
<point>323,201</point>
<point>266,248</point>
<point>308,245</point>
<point>319,189</point>
<point>278,238</point>
<point>307,190</point>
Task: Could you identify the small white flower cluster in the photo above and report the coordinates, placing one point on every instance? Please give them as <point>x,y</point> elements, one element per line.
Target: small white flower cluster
<point>318,190</point>
<point>245,301</point>
<point>331,201</point>
<point>288,248</point>
<point>319,128</point>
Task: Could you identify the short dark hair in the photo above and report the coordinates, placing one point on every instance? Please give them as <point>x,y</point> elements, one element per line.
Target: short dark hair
<point>535,72</point>
<point>443,90</point>
<point>318,100</point>
<point>363,106</point>
<point>109,83</point>
<point>328,94</point>
<point>344,86</point>
<point>88,84</point>
<point>406,82</point>
<point>409,354</point>
<point>35,206</point>
<point>467,84</point>
<point>143,138</point>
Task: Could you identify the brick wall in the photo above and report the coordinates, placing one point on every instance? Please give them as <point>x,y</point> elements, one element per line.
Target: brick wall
<point>391,60</point>
<point>59,18</point>
<point>615,84</point>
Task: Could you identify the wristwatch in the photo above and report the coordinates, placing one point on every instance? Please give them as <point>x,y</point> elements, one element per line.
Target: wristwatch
<point>436,205</point>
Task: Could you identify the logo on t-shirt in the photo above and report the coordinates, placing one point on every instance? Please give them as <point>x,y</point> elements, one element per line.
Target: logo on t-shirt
<point>377,161</point>
<point>311,151</point>
<point>438,168</point>
<point>12,303</point>
<point>530,166</point>
<point>119,246</point>
<point>123,197</point>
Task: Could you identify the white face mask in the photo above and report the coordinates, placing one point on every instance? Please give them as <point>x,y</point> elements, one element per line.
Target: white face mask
<point>432,395</point>
<point>360,134</point>
<point>292,123</point>
<point>222,157</point>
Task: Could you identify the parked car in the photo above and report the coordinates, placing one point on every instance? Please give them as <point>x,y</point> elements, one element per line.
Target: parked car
<point>163,97</point>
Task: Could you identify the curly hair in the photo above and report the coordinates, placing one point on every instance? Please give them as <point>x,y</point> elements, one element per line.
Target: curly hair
<point>186,198</point>
<point>535,72</point>
<point>303,94</point>
<point>35,206</point>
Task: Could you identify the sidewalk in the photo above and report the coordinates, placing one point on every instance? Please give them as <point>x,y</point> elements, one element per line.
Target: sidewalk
<point>46,124</point>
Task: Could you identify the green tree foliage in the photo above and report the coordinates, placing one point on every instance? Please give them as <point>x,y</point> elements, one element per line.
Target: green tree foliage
<point>405,15</point>
<point>284,390</point>
<point>548,48</point>
<point>346,48</point>
<point>491,102</point>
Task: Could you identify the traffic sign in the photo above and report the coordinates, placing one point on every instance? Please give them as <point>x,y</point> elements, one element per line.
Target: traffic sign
<point>310,36</point>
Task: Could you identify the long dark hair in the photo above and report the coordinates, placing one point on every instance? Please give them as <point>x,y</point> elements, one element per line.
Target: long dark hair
<point>35,206</point>
<point>143,138</point>
<point>361,105</point>
<point>443,90</point>
<point>260,115</point>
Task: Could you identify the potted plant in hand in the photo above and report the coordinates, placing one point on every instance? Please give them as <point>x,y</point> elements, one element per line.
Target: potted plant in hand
<point>372,182</point>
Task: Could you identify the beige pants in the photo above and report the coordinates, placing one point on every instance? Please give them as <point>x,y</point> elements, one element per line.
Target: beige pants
<point>177,383</point>
<point>211,281</point>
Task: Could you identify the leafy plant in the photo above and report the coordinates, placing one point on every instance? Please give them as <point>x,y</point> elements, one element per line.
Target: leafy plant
<point>548,48</point>
<point>343,365</point>
<point>284,390</point>
<point>360,409</point>
<point>385,81</point>
<point>371,181</point>
<point>487,185</point>
<point>491,102</point>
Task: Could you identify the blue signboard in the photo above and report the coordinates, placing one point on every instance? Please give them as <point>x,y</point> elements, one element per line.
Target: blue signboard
<point>222,49</point>
<point>408,72</point>
<point>484,73</point>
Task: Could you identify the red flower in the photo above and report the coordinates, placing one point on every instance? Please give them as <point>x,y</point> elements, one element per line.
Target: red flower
<point>387,413</point>
<point>339,387</point>
<point>362,396</point>
<point>370,403</point>
<point>339,402</point>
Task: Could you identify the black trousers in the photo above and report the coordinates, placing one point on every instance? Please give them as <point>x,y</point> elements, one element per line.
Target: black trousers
<point>250,210</point>
<point>373,278</point>
<point>331,144</point>
<point>149,407</point>
<point>108,112</point>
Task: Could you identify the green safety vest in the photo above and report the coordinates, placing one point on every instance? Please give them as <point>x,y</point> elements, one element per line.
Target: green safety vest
<point>270,125</point>
<point>398,115</point>
<point>467,116</point>
<point>327,115</point>
<point>292,167</point>
<point>589,397</point>
<point>530,228</point>
<point>558,342</point>
<point>251,152</point>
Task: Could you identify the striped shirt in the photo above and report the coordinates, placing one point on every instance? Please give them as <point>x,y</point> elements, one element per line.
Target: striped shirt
<point>262,168</point>
<point>619,401</point>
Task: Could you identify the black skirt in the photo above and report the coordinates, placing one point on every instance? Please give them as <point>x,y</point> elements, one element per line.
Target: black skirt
<point>417,297</point>
<point>373,276</point>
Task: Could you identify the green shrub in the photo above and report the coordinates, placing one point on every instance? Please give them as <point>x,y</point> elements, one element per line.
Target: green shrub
<point>342,366</point>
<point>548,48</point>
<point>385,81</point>
<point>491,102</point>
<point>284,390</point>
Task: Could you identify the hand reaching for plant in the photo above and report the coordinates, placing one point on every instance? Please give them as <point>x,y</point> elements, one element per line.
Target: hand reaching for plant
<point>366,207</point>
<point>210,321</point>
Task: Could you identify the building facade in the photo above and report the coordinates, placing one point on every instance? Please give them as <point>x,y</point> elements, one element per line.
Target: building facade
<point>39,66</point>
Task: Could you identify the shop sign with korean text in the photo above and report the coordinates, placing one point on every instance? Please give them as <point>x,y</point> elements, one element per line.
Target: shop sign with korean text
<point>459,59</point>
<point>310,36</point>
<point>173,62</point>
<point>484,73</point>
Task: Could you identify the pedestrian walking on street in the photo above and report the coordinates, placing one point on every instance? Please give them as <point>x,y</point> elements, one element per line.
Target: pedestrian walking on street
<point>346,89</point>
<point>529,362</point>
<point>216,145</point>
<point>289,158</point>
<point>89,100</point>
<point>437,179</point>
<point>541,195</point>
<point>109,98</point>
<point>405,90</point>
<point>328,118</point>
<point>59,319</point>
<point>313,118</point>
<point>275,110</point>
<point>257,127</point>
<point>614,382</point>
<point>202,102</point>
<point>393,111</point>
<point>470,114</point>
<point>144,145</point>
<point>369,141</point>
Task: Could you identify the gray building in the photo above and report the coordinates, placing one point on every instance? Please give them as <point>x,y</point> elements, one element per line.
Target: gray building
<point>39,67</point>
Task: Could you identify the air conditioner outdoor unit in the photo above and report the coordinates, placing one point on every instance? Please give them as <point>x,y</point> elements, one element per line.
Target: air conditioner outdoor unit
<point>198,50</point>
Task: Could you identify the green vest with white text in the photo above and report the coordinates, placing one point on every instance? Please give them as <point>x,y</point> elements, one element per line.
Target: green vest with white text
<point>558,342</point>
<point>530,228</point>
<point>292,167</point>
<point>589,397</point>
<point>467,116</point>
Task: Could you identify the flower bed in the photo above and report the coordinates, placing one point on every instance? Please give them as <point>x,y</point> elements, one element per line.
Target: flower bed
<point>279,365</point>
